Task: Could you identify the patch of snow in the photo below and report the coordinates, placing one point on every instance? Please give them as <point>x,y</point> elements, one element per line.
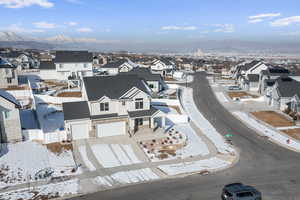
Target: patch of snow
<point>20,162</point>
<point>134,176</point>
<point>260,99</point>
<point>53,190</point>
<point>166,109</point>
<point>192,167</point>
<point>287,127</point>
<point>274,135</point>
<point>203,124</point>
<point>84,156</point>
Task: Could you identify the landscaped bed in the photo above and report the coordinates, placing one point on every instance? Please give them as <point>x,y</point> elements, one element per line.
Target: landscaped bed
<point>241,95</point>
<point>273,118</point>
<point>294,133</point>
<point>70,94</point>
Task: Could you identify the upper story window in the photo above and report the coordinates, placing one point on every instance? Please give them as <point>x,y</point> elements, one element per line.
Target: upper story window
<point>104,107</point>
<point>85,65</point>
<point>139,104</point>
<point>9,81</point>
<point>6,114</point>
<point>61,66</point>
<point>123,103</point>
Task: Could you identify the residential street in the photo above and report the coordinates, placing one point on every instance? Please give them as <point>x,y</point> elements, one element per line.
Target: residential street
<point>272,169</point>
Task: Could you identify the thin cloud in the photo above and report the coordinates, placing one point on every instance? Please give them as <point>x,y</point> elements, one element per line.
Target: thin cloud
<point>224,28</point>
<point>286,21</point>
<point>72,23</point>
<point>179,28</point>
<point>44,25</point>
<point>26,3</point>
<point>17,28</point>
<point>84,30</point>
<point>261,17</point>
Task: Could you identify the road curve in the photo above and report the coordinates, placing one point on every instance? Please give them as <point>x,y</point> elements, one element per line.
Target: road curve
<point>272,169</point>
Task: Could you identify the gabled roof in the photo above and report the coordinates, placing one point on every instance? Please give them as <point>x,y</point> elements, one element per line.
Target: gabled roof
<point>287,87</point>
<point>76,110</point>
<point>73,57</point>
<point>12,54</point>
<point>9,97</point>
<point>145,74</point>
<point>143,113</point>
<point>116,64</point>
<point>275,71</point>
<point>111,86</point>
<point>46,65</point>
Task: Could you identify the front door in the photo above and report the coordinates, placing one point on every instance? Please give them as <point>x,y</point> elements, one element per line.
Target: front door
<point>138,122</point>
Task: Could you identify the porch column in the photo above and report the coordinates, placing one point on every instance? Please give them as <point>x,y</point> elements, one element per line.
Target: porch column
<point>151,123</point>
<point>163,121</point>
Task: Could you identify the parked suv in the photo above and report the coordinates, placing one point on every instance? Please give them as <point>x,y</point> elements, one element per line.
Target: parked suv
<point>238,191</point>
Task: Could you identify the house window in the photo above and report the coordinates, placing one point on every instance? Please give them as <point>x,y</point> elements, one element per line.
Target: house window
<point>139,121</point>
<point>123,103</point>
<point>61,66</point>
<point>85,65</point>
<point>6,114</point>
<point>9,81</point>
<point>151,86</point>
<point>139,104</point>
<point>104,106</point>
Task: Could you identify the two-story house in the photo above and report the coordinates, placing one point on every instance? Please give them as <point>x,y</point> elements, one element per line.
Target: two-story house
<point>10,125</point>
<point>8,74</point>
<point>113,68</point>
<point>163,67</point>
<point>112,106</point>
<point>68,65</point>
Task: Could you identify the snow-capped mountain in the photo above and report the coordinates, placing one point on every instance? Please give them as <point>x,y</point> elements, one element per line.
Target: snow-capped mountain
<point>10,36</point>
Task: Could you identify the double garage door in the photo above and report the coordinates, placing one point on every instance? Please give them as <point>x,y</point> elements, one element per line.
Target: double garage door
<point>111,129</point>
<point>80,131</point>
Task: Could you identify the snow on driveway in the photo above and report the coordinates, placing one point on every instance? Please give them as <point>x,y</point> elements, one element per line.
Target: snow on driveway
<point>126,177</point>
<point>53,190</point>
<point>114,155</point>
<point>221,97</point>
<point>85,159</point>
<point>276,136</point>
<point>203,124</point>
<point>21,161</point>
<point>192,167</point>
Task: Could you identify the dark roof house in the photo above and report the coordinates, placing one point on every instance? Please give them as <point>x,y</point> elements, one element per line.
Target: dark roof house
<point>47,65</point>
<point>73,57</point>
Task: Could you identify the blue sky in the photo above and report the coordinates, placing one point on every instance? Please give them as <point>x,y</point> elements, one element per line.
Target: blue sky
<point>154,20</point>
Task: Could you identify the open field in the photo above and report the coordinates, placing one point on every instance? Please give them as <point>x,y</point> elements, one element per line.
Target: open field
<point>294,133</point>
<point>273,118</point>
<point>241,95</point>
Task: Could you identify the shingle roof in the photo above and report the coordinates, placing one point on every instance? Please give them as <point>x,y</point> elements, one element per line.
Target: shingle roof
<point>73,57</point>
<point>76,110</point>
<point>46,65</point>
<point>115,64</point>
<point>145,74</point>
<point>111,86</point>
<point>9,97</point>
<point>287,87</point>
<point>5,64</point>
<point>143,113</point>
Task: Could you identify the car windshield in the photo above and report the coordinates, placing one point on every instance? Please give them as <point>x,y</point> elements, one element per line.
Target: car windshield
<point>244,194</point>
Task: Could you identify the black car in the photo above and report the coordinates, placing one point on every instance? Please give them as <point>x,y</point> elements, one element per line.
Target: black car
<point>239,191</point>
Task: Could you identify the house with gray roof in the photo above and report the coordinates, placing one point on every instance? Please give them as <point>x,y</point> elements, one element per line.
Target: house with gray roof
<point>284,89</point>
<point>112,106</point>
<point>8,74</point>
<point>163,66</point>
<point>67,66</point>
<point>10,125</point>
<point>113,68</point>
<point>154,81</point>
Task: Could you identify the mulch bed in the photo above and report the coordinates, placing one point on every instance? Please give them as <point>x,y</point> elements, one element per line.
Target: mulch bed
<point>273,118</point>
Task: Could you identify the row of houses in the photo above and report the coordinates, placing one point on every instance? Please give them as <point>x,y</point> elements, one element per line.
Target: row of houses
<point>278,85</point>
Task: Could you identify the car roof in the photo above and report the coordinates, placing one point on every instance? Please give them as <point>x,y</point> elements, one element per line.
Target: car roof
<point>239,187</point>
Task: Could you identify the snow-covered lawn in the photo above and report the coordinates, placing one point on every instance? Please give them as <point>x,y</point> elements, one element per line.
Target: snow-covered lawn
<point>113,155</point>
<point>22,161</point>
<point>126,177</point>
<point>259,99</point>
<point>274,135</point>
<point>166,109</point>
<point>49,191</point>
<point>203,124</point>
<point>192,167</point>
<point>221,97</point>
<point>84,156</point>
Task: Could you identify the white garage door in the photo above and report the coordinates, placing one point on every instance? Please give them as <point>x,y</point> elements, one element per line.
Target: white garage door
<point>80,131</point>
<point>111,129</point>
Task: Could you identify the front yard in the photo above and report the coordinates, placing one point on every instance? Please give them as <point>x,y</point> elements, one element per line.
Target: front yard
<point>241,95</point>
<point>273,118</point>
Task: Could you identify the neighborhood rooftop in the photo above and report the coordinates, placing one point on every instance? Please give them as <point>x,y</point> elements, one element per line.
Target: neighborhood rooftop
<point>145,74</point>
<point>46,65</point>
<point>76,110</point>
<point>9,97</point>
<point>73,57</point>
<point>111,86</point>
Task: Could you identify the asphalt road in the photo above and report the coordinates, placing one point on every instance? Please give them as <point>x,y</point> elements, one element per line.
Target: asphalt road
<point>270,168</point>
